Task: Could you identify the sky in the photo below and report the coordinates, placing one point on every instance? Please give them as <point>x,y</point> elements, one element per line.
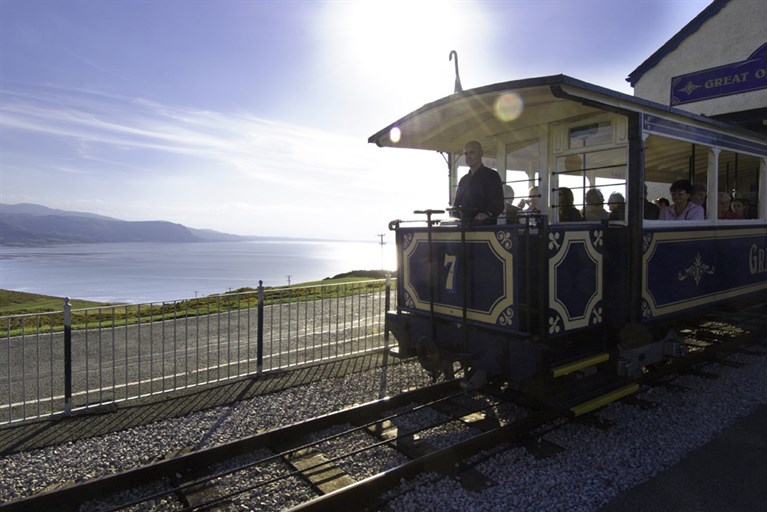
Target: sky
<point>252,117</point>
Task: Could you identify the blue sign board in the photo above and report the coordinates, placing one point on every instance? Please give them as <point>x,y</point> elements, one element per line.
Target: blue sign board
<point>444,272</point>
<point>744,76</point>
<point>688,269</point>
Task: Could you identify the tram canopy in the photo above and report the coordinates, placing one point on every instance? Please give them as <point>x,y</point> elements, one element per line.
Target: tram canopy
<point>490,112</point>
<point>481,114</point>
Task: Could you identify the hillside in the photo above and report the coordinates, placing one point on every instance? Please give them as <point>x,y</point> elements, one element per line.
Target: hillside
<point>30,224</point>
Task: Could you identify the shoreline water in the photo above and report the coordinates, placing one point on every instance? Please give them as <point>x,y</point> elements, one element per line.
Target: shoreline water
<point>14,302</point>
<point>154,272</point>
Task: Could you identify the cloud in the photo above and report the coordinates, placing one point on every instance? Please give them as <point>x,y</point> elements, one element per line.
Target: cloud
<point>134,158</point>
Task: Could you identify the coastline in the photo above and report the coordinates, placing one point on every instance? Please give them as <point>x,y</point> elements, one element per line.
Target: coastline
<point>14,302</point>
<point>147,272</point>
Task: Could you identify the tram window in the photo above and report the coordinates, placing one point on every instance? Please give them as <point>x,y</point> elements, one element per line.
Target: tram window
<point>590,135</point>
<point>658,193</point>
<point>522,165</point>
<point>738,178</point>
<point>668,160</point>
<point>602,170</point>
<point>520,184</point>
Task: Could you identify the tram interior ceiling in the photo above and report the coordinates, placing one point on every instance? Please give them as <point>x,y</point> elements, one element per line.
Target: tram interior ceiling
<point>667,160</point>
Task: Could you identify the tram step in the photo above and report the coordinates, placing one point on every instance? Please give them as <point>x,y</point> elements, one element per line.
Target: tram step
<point>604,399</point>
<point>580,364</point>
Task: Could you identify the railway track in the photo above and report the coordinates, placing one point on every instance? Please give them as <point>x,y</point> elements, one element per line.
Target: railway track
<point>714,336</point>
<point>312,463</point>
<point>309,458</point>
<point>182,473</point>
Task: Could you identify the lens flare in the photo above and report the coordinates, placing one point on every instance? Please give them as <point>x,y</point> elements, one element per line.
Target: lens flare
<point>508,106</point>
<point>395,134</point>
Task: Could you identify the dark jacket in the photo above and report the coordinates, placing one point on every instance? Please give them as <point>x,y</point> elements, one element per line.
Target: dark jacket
<point>651,210</point>
<point>480,191</point>
<point>570,214</point>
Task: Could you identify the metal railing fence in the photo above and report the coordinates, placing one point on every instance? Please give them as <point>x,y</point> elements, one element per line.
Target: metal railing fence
<point>54,363</point>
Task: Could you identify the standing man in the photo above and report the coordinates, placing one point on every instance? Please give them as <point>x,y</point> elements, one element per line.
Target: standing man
<point>480,193</point>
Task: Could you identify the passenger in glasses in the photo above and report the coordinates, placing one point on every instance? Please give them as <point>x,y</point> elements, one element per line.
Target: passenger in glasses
<point>681,207</point>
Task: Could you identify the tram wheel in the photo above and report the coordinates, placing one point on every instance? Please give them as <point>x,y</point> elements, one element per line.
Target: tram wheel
<point>430,357</point>
<point>634,335</point>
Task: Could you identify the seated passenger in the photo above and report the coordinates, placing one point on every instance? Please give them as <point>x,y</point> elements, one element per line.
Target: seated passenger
<point>683,208</point>
<point>698,195</point>
<point>737,209</point>
<point>651,210</point>
<point>532,204</point>
<point>567,212</point>
<point>722,205</point>
<point>617,205</point>
<point>595,205</point>
<point>510,212</point>
<point>749,210</point>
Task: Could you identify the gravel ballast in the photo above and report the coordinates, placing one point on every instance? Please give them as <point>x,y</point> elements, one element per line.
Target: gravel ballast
<point>595,467</point>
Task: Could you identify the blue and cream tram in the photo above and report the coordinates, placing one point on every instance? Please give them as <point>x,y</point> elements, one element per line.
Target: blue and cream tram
<point>548,298</point>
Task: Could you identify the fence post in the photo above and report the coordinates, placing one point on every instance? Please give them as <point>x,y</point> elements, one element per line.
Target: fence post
<point>67,357</point>
<point>387,306</point>
<point>260,337</point>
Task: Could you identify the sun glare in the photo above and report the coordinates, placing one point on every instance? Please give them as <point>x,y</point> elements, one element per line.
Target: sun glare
<point>395,135</point>
<point>402,46</point>
<point>508,106</point>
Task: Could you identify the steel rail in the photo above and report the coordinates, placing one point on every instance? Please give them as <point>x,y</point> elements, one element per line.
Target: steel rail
<point>363,493</point>
<point>353,497</point>
<point>71,497</point>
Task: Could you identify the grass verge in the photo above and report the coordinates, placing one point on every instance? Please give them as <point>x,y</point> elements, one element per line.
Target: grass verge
<point>29,313</point>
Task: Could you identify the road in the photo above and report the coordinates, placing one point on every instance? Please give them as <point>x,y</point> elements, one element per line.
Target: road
<point>117,363</point>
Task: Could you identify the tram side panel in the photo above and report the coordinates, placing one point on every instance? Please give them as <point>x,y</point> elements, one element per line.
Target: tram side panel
<point>618,281</point>
<point>575,278</point>
<point>686,270</point>
<point>459,294</point>
<point>503,299</point>
<point>458,274</point>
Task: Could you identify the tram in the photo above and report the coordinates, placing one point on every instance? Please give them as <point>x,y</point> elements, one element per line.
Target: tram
<point>542,299</point>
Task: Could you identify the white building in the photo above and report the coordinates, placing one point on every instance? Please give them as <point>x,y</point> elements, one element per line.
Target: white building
<point>715,66</point>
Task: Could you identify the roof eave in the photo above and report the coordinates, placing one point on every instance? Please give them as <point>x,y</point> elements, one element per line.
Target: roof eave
<point>672,44</point>
<point>560,86</point>
<point>501,86</point>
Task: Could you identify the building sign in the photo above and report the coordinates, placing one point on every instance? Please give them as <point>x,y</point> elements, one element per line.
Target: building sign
<point>744,76</point>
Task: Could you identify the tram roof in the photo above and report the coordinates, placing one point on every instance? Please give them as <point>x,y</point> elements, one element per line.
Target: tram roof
<point>446,124</point>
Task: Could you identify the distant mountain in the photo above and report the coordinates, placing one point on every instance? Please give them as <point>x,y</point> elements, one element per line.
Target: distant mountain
<point>40,210</point>
<point>208,235</point>
<point>32,224</point>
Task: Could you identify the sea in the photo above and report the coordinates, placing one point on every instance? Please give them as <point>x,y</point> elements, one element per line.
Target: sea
<point>143,272</point>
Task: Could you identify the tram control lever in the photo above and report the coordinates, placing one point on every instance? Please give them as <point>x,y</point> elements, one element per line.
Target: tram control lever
<point>428,214</point>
